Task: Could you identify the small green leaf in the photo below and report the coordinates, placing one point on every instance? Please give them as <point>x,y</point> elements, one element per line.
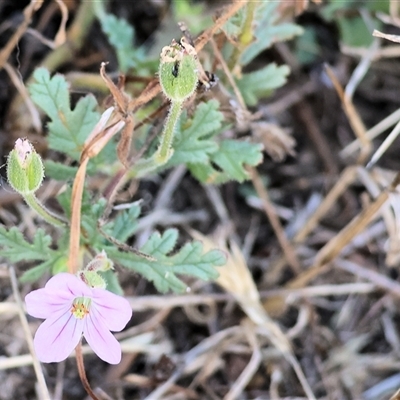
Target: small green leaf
<point>307,47</point>
<point>50,94</point>
<point>112,282</point>
<point>354,32</point>
<point>190,260</point>
<point>231,159</point>
<point>192,255</point>
<point>269,30</point>
<point>159,245</point>
<point>91,213</point>
<point>35,273</point>
<point>193,143</point>
<point>121,36</point>
<point>68,128</point>
<point>234,154</point>
<point>260,83</point>
<point>15,248</point>
<point>58,171</point>
<point>125,223</point>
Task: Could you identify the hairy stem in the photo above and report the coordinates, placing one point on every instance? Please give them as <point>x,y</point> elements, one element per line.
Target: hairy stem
<point>165,151</point>
<point>47,215</point>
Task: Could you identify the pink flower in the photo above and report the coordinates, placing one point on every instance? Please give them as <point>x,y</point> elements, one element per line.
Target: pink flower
<point>72,309</point>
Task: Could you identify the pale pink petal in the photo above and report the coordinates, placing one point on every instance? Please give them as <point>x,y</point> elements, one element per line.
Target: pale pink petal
<point>102,342</point>
<point>115,311</point>
<point>68,284</point>
<point>57,337</point>
<point>41,304</point>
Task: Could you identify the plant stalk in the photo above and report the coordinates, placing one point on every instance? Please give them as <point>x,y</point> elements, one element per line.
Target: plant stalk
<point>82,373</point>
<point>165,151</point>
<point>47,215</point>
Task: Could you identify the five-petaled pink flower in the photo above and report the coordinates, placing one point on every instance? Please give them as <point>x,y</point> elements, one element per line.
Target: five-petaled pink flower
<point>71,308</point>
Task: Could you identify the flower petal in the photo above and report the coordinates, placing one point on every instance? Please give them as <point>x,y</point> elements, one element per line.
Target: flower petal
<point>42,304</point>
<point>57,337</point>
<point>101,340</point>
<point>69,284</point>
<point>115,311</point>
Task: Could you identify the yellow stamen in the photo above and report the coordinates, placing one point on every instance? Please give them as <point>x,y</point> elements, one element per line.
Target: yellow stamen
<point>80,307</point>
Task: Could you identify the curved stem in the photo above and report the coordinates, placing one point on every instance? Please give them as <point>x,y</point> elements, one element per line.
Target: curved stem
<point>76,204</point>
<point>47,215</point>
<point>82,373</point>
<point>165,151</point>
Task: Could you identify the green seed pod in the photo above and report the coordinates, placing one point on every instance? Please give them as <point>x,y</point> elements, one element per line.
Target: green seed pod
<point>92,279</point>
<point>178,72</point>
<point>25,170</point>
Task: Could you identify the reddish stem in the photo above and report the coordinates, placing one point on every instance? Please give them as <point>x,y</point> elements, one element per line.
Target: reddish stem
<point>82,373</point>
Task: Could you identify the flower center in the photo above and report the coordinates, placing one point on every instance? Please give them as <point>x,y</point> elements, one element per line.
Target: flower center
<point>80,307</point>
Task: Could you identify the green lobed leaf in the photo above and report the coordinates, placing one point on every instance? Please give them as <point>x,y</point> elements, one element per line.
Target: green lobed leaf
<point>91,213</point>
<point>193,141</point>
<point>354,31</point>
<point>58,171</point>
<point>112,282</point>
<point>68,128</point>
<point>231,159</point>
<point>50,94</point>
<point>121,36</point>
<point>260,83</point>
<point>15,248</point>
<point>192,254</point>
<point>125,223</point>
<point>158,245</point>
<point>35,273</point>
<point>268,30</point>
<point>190,260</point>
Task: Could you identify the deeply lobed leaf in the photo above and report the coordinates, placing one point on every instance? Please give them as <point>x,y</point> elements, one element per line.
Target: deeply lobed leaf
<point>68,128</point>
<point>190,260</point>
<point>15,248</point>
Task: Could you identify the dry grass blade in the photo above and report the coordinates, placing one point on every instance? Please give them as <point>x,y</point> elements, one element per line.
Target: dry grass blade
<point>236,279</point>
<point>392,38</point>
<point>333,248</point>
<point>396,396</point>
<point>287,248</point>
<point>385,145</point>
<point>353,116</point>
<point>347,177</point>
<point>36,364</point>
<point>372,133</point>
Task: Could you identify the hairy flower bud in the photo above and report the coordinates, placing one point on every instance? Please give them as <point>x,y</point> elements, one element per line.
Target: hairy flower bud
<point>90,274</point>
<point>25,171</point>
<point>178,71</point>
